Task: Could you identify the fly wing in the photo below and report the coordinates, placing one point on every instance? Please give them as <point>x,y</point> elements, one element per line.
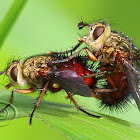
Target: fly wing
<point>133,80</point>
<point>71,82</point>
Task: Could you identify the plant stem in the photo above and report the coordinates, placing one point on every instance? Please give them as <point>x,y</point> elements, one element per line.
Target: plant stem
<point>10,18</point>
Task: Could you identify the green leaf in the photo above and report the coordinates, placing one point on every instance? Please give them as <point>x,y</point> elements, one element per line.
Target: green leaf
<point>66,119</point>
<point>10,18</point>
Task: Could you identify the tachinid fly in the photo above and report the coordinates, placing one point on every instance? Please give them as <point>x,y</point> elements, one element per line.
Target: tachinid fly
<point>72,76</point>
<point>119,56</point>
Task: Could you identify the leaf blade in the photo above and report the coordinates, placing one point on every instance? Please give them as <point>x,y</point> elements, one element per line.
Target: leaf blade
<point>73,124</point>
<point>10,18</point>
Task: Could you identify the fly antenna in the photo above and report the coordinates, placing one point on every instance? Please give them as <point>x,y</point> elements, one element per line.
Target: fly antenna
<point>1,72</point>
<point>81,25</point>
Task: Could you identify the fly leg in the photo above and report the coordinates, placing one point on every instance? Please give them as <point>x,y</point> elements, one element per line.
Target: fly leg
<point>68,51</point>
<point>109,79</point>
<point>24,91</point>
<point>79,108</point>
<point>94,74</point>
<point>90,55</point>
<point>80,26</point>
<point>104,90</point>
<point>37,103</point>
<point>98,90</point>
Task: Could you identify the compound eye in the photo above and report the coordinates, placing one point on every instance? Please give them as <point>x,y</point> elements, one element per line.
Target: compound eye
<point>13,73</point>
<point>98,31</point>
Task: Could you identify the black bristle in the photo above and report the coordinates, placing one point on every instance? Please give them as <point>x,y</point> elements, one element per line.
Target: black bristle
<point>118,107</point>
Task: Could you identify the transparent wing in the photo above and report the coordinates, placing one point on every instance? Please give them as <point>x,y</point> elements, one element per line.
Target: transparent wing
<point>133,81</point>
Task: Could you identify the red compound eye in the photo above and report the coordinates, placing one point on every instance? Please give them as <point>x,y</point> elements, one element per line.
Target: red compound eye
<point>98,31</point>
<point>13,73</point>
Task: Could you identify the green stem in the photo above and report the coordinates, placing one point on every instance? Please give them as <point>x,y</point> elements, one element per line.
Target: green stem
<point>10,18</point>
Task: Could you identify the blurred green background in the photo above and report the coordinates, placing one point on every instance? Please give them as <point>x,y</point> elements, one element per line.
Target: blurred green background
<point>45,25</point>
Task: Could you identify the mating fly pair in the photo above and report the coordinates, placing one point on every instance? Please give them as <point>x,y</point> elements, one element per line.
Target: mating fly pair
<point>55,71</point>
<point>40,74</point>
